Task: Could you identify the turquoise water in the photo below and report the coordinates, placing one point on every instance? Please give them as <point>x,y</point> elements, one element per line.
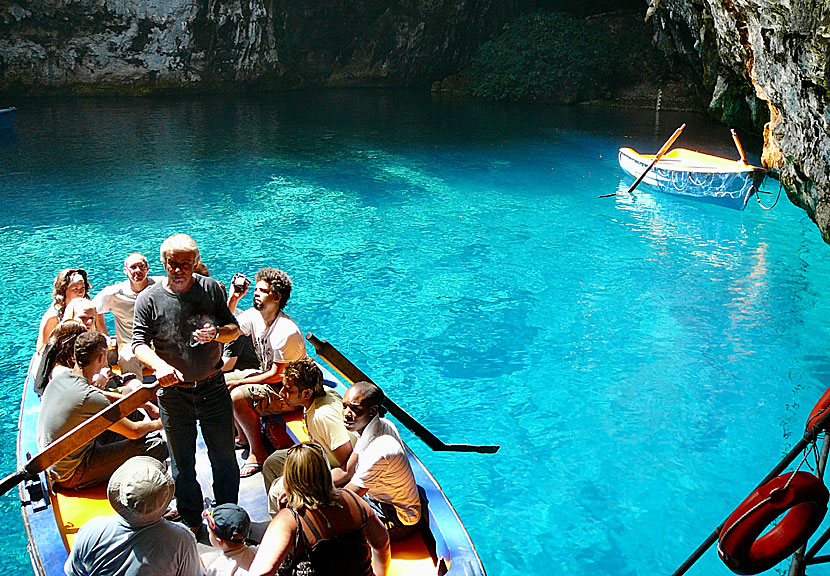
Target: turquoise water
<point>642,360</point>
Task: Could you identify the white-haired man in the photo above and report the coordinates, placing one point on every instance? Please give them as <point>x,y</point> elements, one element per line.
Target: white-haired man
<point>119,299</point>
<point>178,329</point>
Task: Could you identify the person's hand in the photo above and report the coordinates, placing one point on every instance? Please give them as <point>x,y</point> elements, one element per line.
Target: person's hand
<point>168,376</point>
<point>101,379</point>
<point>206,333</point>
<point>235,294</point>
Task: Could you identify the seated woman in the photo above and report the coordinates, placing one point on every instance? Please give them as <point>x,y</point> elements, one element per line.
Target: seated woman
<point>332,529</point>
<point>58,353</point>
<point>71,283</point>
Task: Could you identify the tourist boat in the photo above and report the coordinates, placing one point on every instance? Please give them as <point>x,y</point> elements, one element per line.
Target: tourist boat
<point>52,517</point>
<point>7,118</point>
<point>691,174</point>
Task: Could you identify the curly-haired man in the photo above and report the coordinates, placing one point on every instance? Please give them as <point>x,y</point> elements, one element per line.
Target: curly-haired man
<point>278,341</point>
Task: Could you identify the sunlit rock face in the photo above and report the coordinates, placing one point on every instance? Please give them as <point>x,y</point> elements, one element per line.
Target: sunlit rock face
<point>137,45</point>
<point>781,48</point>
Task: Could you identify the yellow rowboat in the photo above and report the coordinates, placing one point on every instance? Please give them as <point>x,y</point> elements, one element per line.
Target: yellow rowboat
<point>695,175</point>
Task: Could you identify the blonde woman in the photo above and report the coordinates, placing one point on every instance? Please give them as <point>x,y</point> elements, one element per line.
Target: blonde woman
<point>334,530</point>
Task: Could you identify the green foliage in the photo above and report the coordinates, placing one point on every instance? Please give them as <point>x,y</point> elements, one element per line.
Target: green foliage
<point>553,56</point>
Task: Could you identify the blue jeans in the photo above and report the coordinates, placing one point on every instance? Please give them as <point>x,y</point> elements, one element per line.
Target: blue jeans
<point>209,404</point>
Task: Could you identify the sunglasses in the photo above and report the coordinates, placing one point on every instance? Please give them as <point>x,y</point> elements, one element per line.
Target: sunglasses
<point>314,445</point>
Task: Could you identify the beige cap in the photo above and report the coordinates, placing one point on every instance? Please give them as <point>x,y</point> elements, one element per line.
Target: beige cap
<point>140,490</point>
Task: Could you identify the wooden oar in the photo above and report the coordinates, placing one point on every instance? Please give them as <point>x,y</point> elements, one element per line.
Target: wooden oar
<point>79,435</point>
<point>353,374</point>
<point>738,146</point>
<point>657,157</point>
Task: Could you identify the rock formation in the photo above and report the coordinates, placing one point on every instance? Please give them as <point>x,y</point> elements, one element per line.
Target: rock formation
<point>150,45</point>
<point>780,49</point>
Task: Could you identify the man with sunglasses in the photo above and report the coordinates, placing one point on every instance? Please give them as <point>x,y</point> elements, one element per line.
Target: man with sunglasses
<point>119,299</point>
<point>185,319</point>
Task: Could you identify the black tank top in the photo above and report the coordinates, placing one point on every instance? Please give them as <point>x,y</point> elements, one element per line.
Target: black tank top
<point>347,554</point>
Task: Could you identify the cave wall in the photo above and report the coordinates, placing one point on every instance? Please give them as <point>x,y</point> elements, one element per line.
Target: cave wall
<point>150,45</point>
<point>772,53</point>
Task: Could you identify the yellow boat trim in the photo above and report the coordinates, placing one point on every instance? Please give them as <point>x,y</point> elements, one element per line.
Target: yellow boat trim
<point>691,161</point>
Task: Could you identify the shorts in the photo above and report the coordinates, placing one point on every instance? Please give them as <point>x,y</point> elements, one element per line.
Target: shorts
<point>264,399</point>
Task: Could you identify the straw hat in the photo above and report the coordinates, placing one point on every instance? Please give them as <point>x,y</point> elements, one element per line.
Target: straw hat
<point>140,490</point>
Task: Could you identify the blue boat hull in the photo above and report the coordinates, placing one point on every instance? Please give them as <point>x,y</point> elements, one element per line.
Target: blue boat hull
<point>7,118</point>
<point>722,187</point>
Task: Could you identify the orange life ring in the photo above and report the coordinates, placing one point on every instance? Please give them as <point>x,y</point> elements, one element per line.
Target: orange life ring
<point>819,410</point>
<point>806,499</point>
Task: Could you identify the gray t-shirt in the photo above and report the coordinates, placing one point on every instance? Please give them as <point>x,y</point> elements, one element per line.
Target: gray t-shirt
<point>109,546</point>
<point>166,321</point>
<point>66,402</point>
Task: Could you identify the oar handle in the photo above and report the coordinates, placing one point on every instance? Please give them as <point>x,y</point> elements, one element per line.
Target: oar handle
<point>352,373</point>
<point>12,480</point>
<point>657,157</point>
<point>738,146</point>
<point>80,435</point>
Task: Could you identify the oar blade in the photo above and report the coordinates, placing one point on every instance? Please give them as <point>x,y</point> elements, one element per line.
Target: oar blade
<point>352,373</point>
<point>12,480</point>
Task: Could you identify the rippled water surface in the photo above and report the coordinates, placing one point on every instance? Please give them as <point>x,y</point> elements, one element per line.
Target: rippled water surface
<point>642,360</point>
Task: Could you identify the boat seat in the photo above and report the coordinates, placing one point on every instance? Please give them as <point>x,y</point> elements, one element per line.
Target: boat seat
<point>74,508</point>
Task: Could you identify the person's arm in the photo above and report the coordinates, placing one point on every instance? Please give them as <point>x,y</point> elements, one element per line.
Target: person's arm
<point>234,297</point>
<point>135,430</point>
<point>271,376</point>
<point>229,363</point>
<point>274,545</point>
<point>341,476</point>
<point>342,453</point>
<point>378,539</point>
<point>101,324</point>
<point>165,373</point>
<point>47,324</point>
<point>209,332</point>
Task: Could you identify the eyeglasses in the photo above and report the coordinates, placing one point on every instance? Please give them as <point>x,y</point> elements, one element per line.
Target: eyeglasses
<point>173,264</point>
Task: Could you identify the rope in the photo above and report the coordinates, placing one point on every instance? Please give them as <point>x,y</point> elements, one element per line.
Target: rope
<point>810,448</point>
<point>761,204</point>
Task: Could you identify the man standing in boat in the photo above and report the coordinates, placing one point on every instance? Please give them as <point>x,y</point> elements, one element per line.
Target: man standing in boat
<point>178,329</point>
<point>119,299</point>
<point>277,341</point>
